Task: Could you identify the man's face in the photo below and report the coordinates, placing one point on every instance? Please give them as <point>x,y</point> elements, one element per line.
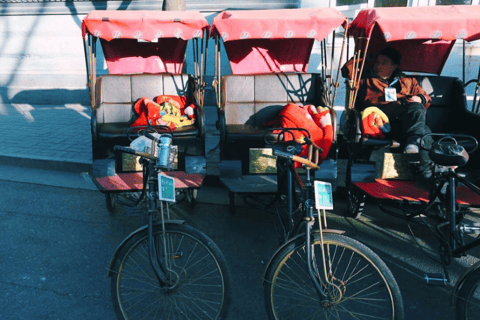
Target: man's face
<point>384,67</point>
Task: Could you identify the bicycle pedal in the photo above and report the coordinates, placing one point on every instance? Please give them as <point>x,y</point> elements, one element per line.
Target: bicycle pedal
<point>435,279</point>
<point>135,211</point>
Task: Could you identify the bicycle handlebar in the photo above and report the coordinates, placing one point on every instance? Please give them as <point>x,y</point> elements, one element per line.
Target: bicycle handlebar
<point>134,152</point>
<point>293,157</point>
<point>145,131</point>
<point>313,148</point>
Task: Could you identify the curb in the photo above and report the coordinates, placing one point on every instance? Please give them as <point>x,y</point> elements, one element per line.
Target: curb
<point>64,166</point>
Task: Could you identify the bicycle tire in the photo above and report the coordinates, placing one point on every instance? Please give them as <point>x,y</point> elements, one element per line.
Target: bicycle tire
<point>467,303</point>
<point>355,202</point>
<point>202,280</point>
<point>363,283</point>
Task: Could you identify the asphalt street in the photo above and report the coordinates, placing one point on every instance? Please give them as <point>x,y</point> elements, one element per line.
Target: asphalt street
<point>57,242</point>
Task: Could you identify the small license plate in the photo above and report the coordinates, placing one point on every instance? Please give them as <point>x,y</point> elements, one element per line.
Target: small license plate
<point>323,195</point>
<point>166,188</point>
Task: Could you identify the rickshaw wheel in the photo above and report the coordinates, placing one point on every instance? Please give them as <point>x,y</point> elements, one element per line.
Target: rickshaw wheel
<point>355,202</point>
<point>192,196</point>
<point>110,202</point>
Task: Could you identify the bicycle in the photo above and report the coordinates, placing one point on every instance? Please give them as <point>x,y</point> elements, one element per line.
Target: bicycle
<point>166,269</point>
<point>319,273</point>
<point>447,200</point>
<point>447,151</point>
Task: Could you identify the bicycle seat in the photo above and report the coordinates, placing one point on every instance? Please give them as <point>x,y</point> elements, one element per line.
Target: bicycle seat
<point>448,154</point>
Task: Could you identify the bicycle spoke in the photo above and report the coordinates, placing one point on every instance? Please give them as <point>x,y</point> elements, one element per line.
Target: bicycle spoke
<point>354,288</point>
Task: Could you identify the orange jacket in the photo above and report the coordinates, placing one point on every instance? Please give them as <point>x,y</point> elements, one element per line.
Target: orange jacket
<point>372,91</point>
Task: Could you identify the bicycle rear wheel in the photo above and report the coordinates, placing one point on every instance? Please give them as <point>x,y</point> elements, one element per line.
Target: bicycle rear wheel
<point>468,299</point>
<point>360,285</point>
<point>198,277</point>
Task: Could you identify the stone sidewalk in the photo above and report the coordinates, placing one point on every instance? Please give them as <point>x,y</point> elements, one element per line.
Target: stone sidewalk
<point>54,137</point>
<point>58,137</point>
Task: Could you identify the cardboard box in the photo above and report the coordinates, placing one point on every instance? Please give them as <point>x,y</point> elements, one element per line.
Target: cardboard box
<point>130,163</point>
<point>391,165</point>
<point>262,161</point>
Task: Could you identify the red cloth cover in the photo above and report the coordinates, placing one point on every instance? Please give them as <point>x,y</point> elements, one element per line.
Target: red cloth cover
<point>316,120</point>
<point>169,110</point>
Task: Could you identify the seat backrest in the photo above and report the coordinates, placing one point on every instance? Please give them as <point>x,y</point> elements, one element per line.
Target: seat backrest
<point>448,101</point>
<point>255,99</point>
<point>116,93</point>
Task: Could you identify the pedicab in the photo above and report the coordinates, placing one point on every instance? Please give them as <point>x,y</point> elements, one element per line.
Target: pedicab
<point>378,169</point>
<point>145,86</point>
<point>269,53</point>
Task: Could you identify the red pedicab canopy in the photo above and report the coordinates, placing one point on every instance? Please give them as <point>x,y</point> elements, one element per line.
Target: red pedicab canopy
<point>423,35</point>
<point>271,41</point>
<point>144,41</point>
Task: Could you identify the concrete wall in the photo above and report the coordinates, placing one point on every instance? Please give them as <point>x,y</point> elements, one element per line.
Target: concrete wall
<point>42,59</point>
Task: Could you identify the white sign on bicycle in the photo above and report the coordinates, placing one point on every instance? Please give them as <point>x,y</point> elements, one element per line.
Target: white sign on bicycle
<point>166,188</point>
<point>323,195</point>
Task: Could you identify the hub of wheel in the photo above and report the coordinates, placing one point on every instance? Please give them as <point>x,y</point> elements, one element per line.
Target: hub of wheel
<point>334,293</point>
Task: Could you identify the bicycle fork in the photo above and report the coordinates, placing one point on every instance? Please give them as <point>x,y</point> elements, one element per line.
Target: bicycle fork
<point>311,264</point>
<point>158,267</point>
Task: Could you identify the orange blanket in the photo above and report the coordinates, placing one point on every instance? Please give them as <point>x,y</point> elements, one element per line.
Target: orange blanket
<point>317,121</point>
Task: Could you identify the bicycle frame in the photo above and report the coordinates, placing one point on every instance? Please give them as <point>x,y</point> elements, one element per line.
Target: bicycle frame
<point>152,207</point>
<point>160,267</point>
<point>308,218</point>
<point>452,178</point>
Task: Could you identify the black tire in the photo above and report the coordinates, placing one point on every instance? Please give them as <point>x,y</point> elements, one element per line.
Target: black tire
<point>467,302</point>
<point>363,285</point>
<point>192,197</point>
<point>110,202</point>
<point>200,278</point>
<point>355,202</point>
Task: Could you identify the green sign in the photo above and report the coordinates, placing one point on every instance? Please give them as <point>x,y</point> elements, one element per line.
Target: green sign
<point>323,195</point>
<point>166,188</point>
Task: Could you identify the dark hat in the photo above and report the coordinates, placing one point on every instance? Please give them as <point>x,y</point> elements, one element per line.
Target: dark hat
<point>393,54</point>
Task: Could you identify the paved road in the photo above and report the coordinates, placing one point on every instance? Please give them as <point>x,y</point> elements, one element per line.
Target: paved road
<point>57,242</point>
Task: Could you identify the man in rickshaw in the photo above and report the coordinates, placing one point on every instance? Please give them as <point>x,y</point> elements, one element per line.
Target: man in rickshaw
<point>401,99</point>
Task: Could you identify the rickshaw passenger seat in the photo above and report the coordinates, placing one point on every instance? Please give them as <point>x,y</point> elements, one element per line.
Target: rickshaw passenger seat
<point>115,95</point>
<point>248,101</point>
<point>445,112</point>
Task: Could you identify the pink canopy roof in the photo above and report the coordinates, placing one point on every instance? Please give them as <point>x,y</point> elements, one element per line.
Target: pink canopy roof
<point>305,23</point>
<point>144,41</point>
<point>270,41</point>
<point>424,35</point>
<point>145,25</point>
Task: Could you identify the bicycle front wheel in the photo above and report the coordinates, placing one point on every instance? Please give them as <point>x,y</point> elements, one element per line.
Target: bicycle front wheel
<point>468,299</point>
<point>357,283</point>
<point>198,279</point>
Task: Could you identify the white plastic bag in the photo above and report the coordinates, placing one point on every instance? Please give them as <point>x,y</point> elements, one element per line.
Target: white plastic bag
<point>143,144</point>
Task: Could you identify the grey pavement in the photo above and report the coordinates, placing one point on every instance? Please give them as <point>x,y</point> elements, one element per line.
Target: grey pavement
<point>50,146</point>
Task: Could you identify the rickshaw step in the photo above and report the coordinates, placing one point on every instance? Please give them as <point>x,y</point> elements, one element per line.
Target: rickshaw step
<point>407,190</point>
<point>436,279</point>
<point>133,181</point>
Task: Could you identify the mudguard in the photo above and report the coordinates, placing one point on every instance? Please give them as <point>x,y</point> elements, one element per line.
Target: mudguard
<point>315,236</point>
<point>131,235</point>
<point>461,281</point>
